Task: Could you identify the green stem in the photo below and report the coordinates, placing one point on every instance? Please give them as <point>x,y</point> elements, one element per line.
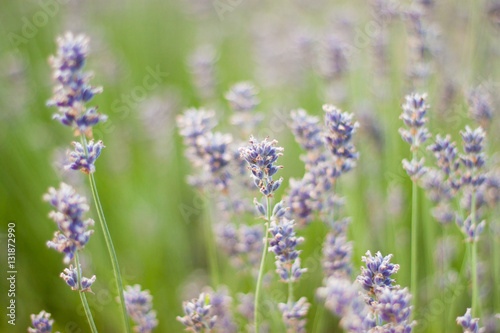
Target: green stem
<point>261,268</point>
<point>210,241</point>
<point>109,243</point>
<point>475,287</point>
<point>318,318</point>
<point>290,292</point>
<point>414,259</point>
<point>83,297</point>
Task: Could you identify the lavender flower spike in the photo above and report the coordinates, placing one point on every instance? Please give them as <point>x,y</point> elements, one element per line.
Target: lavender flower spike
<point>73,231</point>
<point>70,276</point>
<point>73,89</point>
<point>79,160</point>
<point>283,244</point>
<point>294,315</point>
<point>198,316</point>
<point>260,157</point>
<point>306,130</point>
<point>338,135</point>
<point>469,324</point>
<point>413,116</point>
<point>378,271</point>
<point>41,323</point>
<point>139,306</point>
<point>242,97</point>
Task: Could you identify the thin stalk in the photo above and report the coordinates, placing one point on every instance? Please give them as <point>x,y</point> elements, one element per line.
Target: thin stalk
<point>496,269</point>
<point>475,287</point>
<point>83,297</point>
<point>318,318</point>
<point>261,268</point>
<point>210,241</point>
<point>414,237</point>
<point>109,243</point>
<point>290,293</point>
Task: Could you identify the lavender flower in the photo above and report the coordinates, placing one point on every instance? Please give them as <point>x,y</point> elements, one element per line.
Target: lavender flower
<point>139,306</point>
<point>338,135</point>
<point>393,305</point>
<point>413,116</point>
<point>469,324</point>
<point>300,199</point>
<point>78,158</point>
<point>213,148</point>
<point>306,130</point>
<point>342,298</point>
<point>247,306</point>
<point>294,315</point>
<point>221,307</point>
<point>480,105</point>
<point>41,323</point>
<point>260,157</point>
<point>73,231</point>
<point>194,123</point>
<point>473,159</point>
<point>472,231</point>
<point>337,255</point>
<point>378,272</point>
<point>74,90</point>
<point>242,97</point>
<point>70,276</point>
<point>283,244</point>
<point>198,316</point>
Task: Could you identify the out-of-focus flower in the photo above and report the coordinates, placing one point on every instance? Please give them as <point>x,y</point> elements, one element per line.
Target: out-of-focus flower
<point>139,305</point>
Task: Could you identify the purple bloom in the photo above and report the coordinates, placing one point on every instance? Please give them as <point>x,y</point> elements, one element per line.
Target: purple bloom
<point>473,159</point>
<point>70,276</point>
<point>74,90</point>
<point>445,152</point>
<point>41,323</point>
<point>338,134</point>
<point>393,305</point>
<point>222,308</point>
<point>139,306</point>
<point>469,324</point>
<point>413,116</point>
<point>342,298</point>
<point>242,97</point>
<point>378,272</point>
<point>213,148</point>
<point>78,158</point>
<point>472,231</point>
<point>283,245</point>
<point>480,105</point>
<point>260,157</point>
<point>73,231</point>
<point>294,315</point>
<point>198,316</point>
<point>337,255</point>
<point>414,168</point>
<point>306,130</point>
<point>194,123</point>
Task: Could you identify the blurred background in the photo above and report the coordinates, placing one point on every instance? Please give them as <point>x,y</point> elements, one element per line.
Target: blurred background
<point>156,58</point>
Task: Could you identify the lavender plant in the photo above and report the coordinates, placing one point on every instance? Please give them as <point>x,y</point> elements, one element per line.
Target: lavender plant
<point>71,93</point>
<point>72,237</point>
<point>140,308</point>
<point>415,134</point>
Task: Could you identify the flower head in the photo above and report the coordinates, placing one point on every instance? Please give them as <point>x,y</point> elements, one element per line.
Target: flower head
<point>294,315</point>
<point>73,231</point>
<point>378,271</point>
<point>70,276</point>
<point>413,116</point>
<point>306,130</point>
<point>469,324</point>
<point>242,97</point>
<point>139,305</point>
<point>41,323</point>
<point>261,158</point>
<point>393,305</point>
<point>339,130</point>
<point>78,158</point>
<point>198,316</point>
<point>73,89</point>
